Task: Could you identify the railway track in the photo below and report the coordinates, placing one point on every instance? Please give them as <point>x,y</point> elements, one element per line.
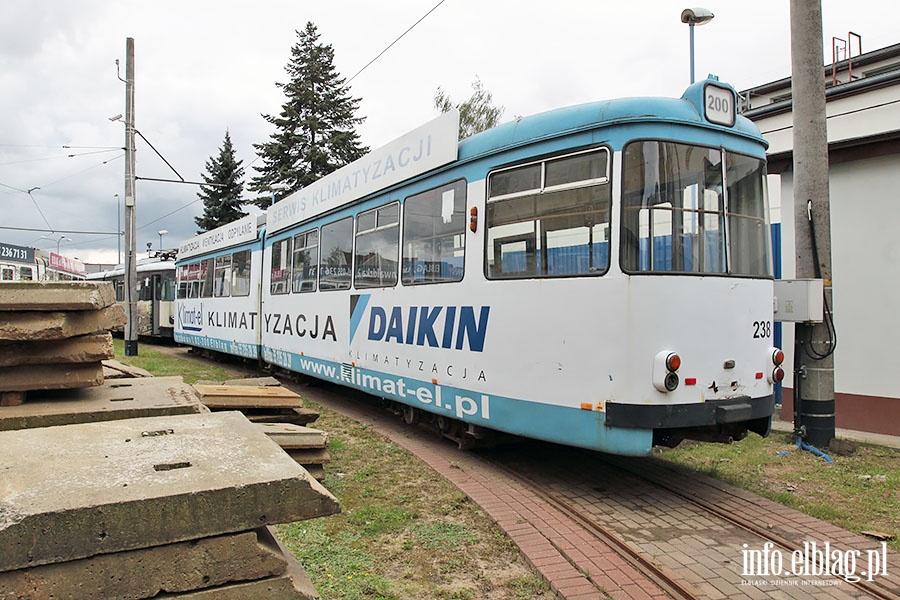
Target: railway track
<point>628,505</point>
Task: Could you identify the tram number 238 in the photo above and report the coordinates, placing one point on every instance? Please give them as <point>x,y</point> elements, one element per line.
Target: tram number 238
<point>762,329</point>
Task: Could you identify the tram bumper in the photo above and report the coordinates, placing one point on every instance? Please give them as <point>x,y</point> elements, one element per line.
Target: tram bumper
<point>715,420</point>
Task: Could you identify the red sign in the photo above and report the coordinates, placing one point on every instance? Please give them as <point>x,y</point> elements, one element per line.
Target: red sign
<point>64,263</point>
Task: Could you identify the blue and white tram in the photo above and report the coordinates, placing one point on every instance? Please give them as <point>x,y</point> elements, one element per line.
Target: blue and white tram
<point>217,298</point>
<point>598,275</point>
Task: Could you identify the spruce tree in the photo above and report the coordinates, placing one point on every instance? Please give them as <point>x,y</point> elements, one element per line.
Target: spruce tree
<point>315,130</point>
<point>222,194</point>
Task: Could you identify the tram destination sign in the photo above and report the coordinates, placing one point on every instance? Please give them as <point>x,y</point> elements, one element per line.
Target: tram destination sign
<point>16,254</point>
<point>419,151</point>
<point>238,232</point>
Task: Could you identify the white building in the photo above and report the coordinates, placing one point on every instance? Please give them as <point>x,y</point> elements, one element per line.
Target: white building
<point>863,121</point>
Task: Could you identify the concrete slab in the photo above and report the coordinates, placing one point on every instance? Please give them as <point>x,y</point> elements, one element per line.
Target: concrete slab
<point>293,585</point>
<point>56,295</point>
<point>80,490</point>
<point>144,573</point>
<point>94,347</point>
<point>115,399</point>
<point>244,396</point>
<point>290,436</point>
<point>50,377</point>
<point>310,457</point>
<point>34,325</point>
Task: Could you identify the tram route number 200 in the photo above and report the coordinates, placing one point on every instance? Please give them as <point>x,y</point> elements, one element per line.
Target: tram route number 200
<point>762,329</point>
<point>718,103</point>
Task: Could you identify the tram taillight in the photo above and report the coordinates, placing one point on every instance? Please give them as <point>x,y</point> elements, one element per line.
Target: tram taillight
<point>665,371</point>
<point>777,375</point>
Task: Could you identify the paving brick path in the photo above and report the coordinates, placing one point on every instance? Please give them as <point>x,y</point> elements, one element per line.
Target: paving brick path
<point>701,552</point>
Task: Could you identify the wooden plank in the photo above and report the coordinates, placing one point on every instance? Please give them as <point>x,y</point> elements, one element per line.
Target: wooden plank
<point>241,396</point>
<point>56,295</point>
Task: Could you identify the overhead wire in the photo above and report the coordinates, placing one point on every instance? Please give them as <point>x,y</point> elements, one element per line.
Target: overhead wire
<point>368,64</point>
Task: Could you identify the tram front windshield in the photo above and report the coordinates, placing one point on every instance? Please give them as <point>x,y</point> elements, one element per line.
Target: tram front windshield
<point>693,209</point>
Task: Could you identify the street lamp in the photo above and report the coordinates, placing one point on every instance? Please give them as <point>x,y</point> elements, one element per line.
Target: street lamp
<point>695,16</point>
<point>61,238</point>
<point>161,233</point>
<point>277,186</point>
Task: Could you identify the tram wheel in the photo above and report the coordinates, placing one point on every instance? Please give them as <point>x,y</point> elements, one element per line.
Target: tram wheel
<point>410,415</point>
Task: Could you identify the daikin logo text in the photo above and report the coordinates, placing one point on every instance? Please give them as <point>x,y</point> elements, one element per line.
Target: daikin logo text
<point>450,327</point>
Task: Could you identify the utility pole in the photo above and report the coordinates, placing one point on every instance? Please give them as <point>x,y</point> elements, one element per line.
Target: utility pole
<point>131,326</point>
<point>813,344</point>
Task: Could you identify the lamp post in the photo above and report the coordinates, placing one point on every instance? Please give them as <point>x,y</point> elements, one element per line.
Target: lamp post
<point>695,16</point>
<point>161,233</point>
<point>118,229</point>
<point>61,238</point>
<point>276,187</point>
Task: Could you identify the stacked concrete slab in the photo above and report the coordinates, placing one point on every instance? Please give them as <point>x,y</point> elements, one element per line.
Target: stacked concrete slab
<point>278,411</point>
<point>174,506</point>
<point>54,335</point>
<point>306,445</point>
<point>115,399</point>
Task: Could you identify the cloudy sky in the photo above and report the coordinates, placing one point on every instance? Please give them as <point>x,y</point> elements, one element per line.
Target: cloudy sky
<point>204,66</point>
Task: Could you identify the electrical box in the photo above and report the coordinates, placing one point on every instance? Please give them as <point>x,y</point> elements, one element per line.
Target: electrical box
<point>799,300</point>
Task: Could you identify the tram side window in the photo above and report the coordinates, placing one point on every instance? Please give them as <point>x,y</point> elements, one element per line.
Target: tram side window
<point>337,255</point>
<point>377,247</point>
<point>206,270</point>
<point>549,219</point>
<point>120,290</point>
<point>434,241</point>
<point>181,293</point>
<point>145,289</point>
<point>26,273</point>
<point>223,276</point>
<point>240,282</point>
<point>281,267</point>
<point>306,261</point>
<point>6,274</point>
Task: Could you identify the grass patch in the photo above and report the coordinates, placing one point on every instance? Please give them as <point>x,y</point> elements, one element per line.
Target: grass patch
<point>859,492</point>
<point>403,532</point>
<point>160,361</point>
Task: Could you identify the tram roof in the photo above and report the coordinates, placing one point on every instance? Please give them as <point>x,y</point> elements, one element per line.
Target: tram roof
<point>593,115</point>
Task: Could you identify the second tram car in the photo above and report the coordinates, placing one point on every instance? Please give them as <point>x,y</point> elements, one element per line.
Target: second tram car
<point>155,294</point>
<point>598,276</point>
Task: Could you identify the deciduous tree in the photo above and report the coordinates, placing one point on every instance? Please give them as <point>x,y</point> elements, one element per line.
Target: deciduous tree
<point>476,114</point>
